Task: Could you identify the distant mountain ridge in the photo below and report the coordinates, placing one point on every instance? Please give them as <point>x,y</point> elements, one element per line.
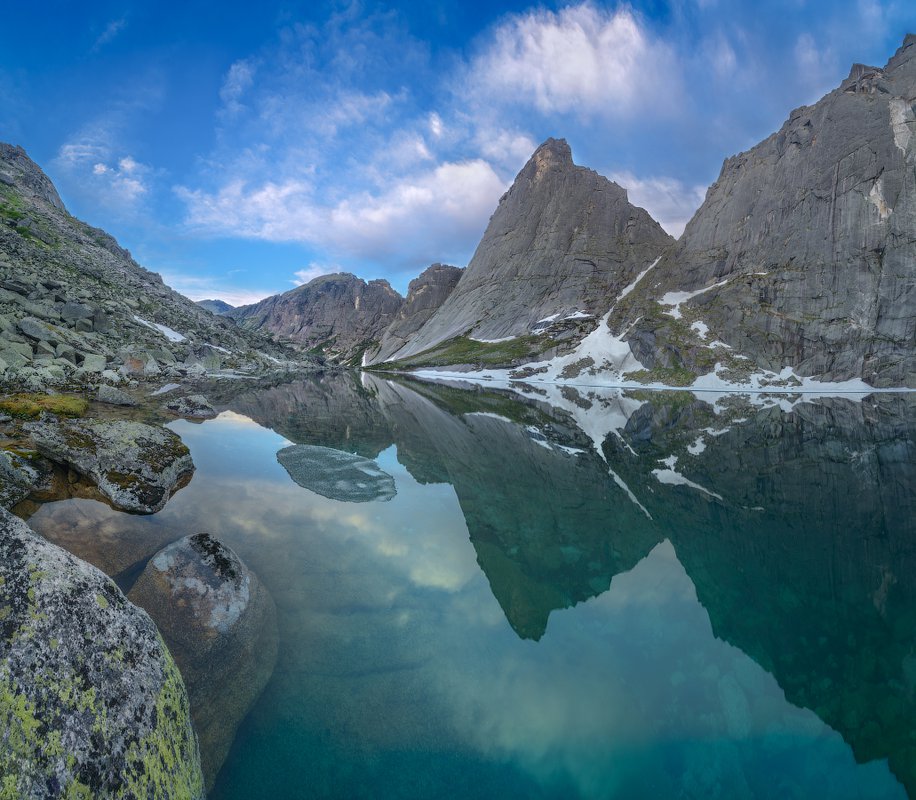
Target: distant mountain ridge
<point>218,307</point>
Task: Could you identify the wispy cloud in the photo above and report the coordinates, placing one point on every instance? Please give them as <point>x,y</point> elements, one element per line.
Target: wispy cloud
<point>111,32</point>
<point>197,287</point>
<point>312,271</point>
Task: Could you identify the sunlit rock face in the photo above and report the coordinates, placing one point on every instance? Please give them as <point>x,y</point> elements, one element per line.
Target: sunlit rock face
<point>425,294</point>
<point>220,624</point>
<point>340,316</point>
<point>91,703</point>
<point>563,240</point>
<point>810,236</point>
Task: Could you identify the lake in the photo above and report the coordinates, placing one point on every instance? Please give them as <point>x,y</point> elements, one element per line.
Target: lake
<point>578,593</point>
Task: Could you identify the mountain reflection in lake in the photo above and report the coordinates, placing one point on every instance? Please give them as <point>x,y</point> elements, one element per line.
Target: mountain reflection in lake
<point>575,595</point>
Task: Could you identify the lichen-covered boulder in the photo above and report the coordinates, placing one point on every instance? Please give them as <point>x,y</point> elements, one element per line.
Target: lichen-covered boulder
<point>220,624</point>
<point>18,478</point>
<point>114,396</point>
<point>91,702</point>
<point>136,466</point>
<point>335,474</point>
<point>194,406</point>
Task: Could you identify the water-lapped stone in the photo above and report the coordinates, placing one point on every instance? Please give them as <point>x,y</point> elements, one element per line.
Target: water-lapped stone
<point>220,625</point>
<point>194,406</point>
<point>91,702</point>
<point>136,466</point>
<point>337,475</point>
<point>113,396</point>
<point>18,477</point>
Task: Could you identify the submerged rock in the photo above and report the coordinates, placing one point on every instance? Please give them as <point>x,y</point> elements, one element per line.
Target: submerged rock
<point>194,406</point>
<point>91,702</point>
<point>136,466</point>
<point>337,475</point>
<point>221,626</point>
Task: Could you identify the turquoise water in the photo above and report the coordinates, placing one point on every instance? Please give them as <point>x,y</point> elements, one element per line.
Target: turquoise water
<point>552,607</point>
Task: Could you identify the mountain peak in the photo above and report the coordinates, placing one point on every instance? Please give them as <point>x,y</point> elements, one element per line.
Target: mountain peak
<point>552,154</point>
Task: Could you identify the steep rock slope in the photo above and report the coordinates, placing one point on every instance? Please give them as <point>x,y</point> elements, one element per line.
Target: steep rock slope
<point>425,294</point>
<point>75,305</point>
<point>339,314</point>
<point>805,246</point>
<point>561,243</point>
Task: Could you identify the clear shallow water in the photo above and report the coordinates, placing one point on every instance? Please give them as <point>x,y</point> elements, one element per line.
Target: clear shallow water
<point>519,622</point>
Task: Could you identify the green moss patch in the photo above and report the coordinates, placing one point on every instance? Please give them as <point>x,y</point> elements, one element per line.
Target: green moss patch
<point>30,406</point>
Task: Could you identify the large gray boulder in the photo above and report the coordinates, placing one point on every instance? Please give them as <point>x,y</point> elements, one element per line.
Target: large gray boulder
<point>807,243</point>
<point>563,240</point>
<point>136,466</point>
<point>220,624</point>
<point>335,474</point>
<point>339,315</point>
<point>91,702</point>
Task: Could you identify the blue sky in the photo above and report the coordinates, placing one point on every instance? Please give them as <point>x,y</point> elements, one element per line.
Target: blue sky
<point>239,150</point>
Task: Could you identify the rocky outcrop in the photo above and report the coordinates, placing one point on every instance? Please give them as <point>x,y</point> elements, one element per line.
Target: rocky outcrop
<point>220,624</point>
<point>563,241</point>
<point>91,702</point>
<point>76,308</point>
<point>425,295</point>
<point>336,475</point>
<point>218,307</point>
<point>136,466</point>
<point>340,316</point>
<point>193,406</point>
<point>804,245</point>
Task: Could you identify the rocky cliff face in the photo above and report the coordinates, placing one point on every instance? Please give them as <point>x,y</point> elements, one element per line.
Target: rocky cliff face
<point>425,295</point>
<point>340,315</point>
<point>804,245</point>
<point>562,242</point>
<point>75,307</point>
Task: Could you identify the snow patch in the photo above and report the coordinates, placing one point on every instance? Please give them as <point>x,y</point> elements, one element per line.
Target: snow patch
<point>674,299</point>
<point>165,330</point>
<point>490,415</point>
<point>492,341</point>
<point>579,315</point>
<point>673,478</point>
<point>697,447</point>
<point>217,347</point>
<point>701,328</point>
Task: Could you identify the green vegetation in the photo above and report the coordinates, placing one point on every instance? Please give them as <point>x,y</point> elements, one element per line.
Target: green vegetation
<point>669,376</point>
<point>464,350</point>
<point>30,406</point>
<point>468,401</point>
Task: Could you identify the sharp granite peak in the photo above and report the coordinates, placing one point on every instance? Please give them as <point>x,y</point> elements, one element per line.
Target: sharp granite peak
<point>560,245</point>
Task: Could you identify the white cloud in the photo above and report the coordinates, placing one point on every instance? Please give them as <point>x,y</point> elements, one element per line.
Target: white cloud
<point>118,182</point>
<point>312,271</point>
<point>198,287</point>
<point>581,59</point>
<point>429,215</point>
<point>109,34</point>
<point>671,202</point>
<point>238,80</point>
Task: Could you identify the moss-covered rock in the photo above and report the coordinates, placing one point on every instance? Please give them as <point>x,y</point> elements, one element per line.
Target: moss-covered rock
<point>91,702</point>
<point>136,466</point>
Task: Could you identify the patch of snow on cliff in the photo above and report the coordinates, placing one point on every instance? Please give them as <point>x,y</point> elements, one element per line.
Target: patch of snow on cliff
<point>165,330</point>
<point>674,299</point>
<point>492,341</point>
<point>672,477</point>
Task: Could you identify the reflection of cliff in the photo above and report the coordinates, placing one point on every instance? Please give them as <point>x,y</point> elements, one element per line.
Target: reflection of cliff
<point>802,547</point>
<point>809,562</point>
<point>332,409</point>
<point>549,526</point>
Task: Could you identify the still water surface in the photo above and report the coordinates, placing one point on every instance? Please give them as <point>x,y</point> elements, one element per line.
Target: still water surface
<point>552,606</point>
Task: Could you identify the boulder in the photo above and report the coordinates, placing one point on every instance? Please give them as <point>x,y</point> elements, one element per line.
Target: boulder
<point>337,475</point>
<point>136,466</point>
<point>91,702</point>
<point>115,397</point>
<point>220,624</point>
<point>194,406</point>
<point>18,478</point>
